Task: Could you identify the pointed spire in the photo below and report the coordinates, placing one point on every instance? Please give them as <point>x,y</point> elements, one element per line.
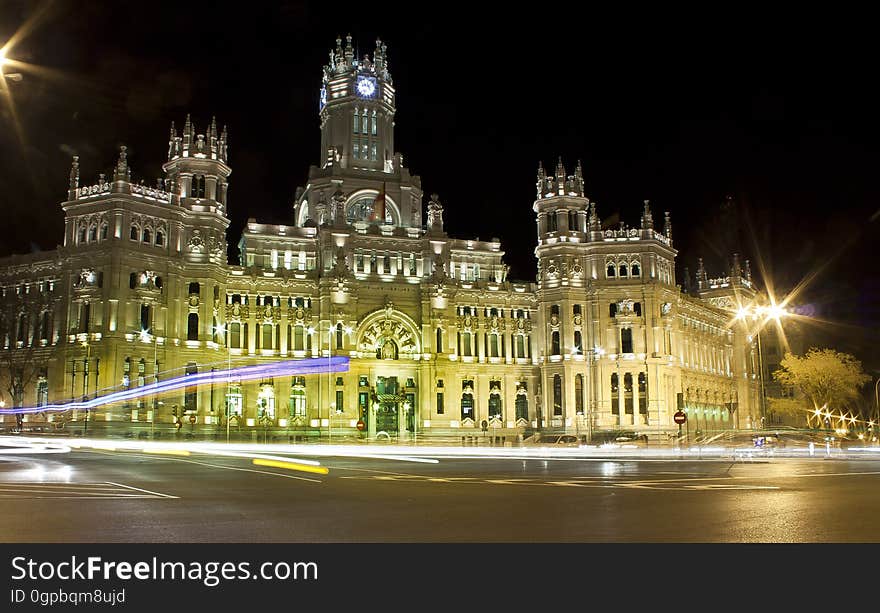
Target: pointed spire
<point>667,227</point>
<point>579,179</point>
<point>647,218</point>
<point>560,177</point>
<point>687,280</point>
<point>748,272</point>
<point>224,141</point>
<point>349,52</point>
<point>122,171</point>
<point>188,130</point>
<point>74,173</point>
<point>172,140</point>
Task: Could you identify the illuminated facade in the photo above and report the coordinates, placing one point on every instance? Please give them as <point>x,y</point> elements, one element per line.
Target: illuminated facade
<point>440,339</point>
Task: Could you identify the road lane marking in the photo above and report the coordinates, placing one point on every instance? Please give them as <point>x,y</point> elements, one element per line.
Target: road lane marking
<point>131,487</point>
<point>107,490</point>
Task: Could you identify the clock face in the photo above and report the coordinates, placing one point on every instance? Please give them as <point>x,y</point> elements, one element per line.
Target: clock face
<point>323,97</point>
<point>366,87</point>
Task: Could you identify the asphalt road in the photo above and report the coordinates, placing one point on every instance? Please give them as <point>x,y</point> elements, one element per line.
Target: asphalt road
<point>125,496</point>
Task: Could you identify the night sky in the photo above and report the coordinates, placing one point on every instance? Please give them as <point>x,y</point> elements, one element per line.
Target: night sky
<point>757,131</point>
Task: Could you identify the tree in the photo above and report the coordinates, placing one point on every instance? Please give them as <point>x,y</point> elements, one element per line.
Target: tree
<point>828,378</point>
<point>26,346</point>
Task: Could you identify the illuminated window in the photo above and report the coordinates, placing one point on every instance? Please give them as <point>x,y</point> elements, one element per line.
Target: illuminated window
<point>557,395</point>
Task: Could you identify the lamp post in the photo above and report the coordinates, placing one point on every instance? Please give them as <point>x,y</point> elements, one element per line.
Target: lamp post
<point>877,401</point>
<point>86,382</point>
<point>145,338</point>
<point>774,312</point>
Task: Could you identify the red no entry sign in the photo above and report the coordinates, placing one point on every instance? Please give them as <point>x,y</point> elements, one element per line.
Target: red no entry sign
<point>680,417</point>
<point>361,425</point>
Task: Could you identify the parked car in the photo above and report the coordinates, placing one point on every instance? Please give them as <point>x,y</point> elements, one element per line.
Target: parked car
<point>620,438</point>
<point>552,440</point>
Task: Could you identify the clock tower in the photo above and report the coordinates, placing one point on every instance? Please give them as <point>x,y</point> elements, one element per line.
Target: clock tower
<point>360,179</point>
<point>357,110</point>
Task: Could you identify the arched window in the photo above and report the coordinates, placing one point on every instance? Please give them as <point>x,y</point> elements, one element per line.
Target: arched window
<point>133,235</point>
<point>82,235</point>
<point>579,394</point>
<point>572,221</point>
<point>297,401</point>
<point>628,393</point>
<point>623,270</point>
<point>104,230</point>
<point>198,186</point>
<point>554,343</point>
<point>439,340</point>
<point>495,405</point>
<point>299,343</point>
<point>192,327</point>
<point>339,335</point>
<point>578,345</point>
<point>160,238</point>
<point>467,402</point>
<point>148,236</point>
<point>551,221</point>
<point>191,397</point>
<point>610,272</point>
<point>194,288</point>
<point>557,395</point>
<point>636,270</point>
<point>93,234</point>
<point>615,394</point>
<point>643,393</point>
<point>522,405</point>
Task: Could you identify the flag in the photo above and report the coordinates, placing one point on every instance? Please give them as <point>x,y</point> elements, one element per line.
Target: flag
<point>379,206</point>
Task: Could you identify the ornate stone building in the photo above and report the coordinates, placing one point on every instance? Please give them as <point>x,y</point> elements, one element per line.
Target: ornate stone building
<point>440,339</point>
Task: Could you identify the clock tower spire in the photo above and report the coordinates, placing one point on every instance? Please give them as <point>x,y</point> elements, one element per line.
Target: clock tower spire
<point>357,110</point>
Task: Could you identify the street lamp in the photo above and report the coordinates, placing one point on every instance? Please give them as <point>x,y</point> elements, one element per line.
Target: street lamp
<point>595,353</point>
<point>86,382</point>
<point>774,312</point>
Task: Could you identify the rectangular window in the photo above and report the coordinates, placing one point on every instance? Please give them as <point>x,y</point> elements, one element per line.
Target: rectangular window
<point>374,126</point>
<point>357,124</point>
<point>439,403</point>
<point>357,150</point>
<point>626,340</point>
<point>373,152</point>
<point>235,335</point>
<point>340,407</point>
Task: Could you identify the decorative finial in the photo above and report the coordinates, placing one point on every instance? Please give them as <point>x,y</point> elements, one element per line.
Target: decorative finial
<point>667,226</point>
<point>579,179</point>
<point>647,218</point>
<point>74,173</point>
<point>122,172</point>
<point>542,179</point>
<point>172,139</point>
